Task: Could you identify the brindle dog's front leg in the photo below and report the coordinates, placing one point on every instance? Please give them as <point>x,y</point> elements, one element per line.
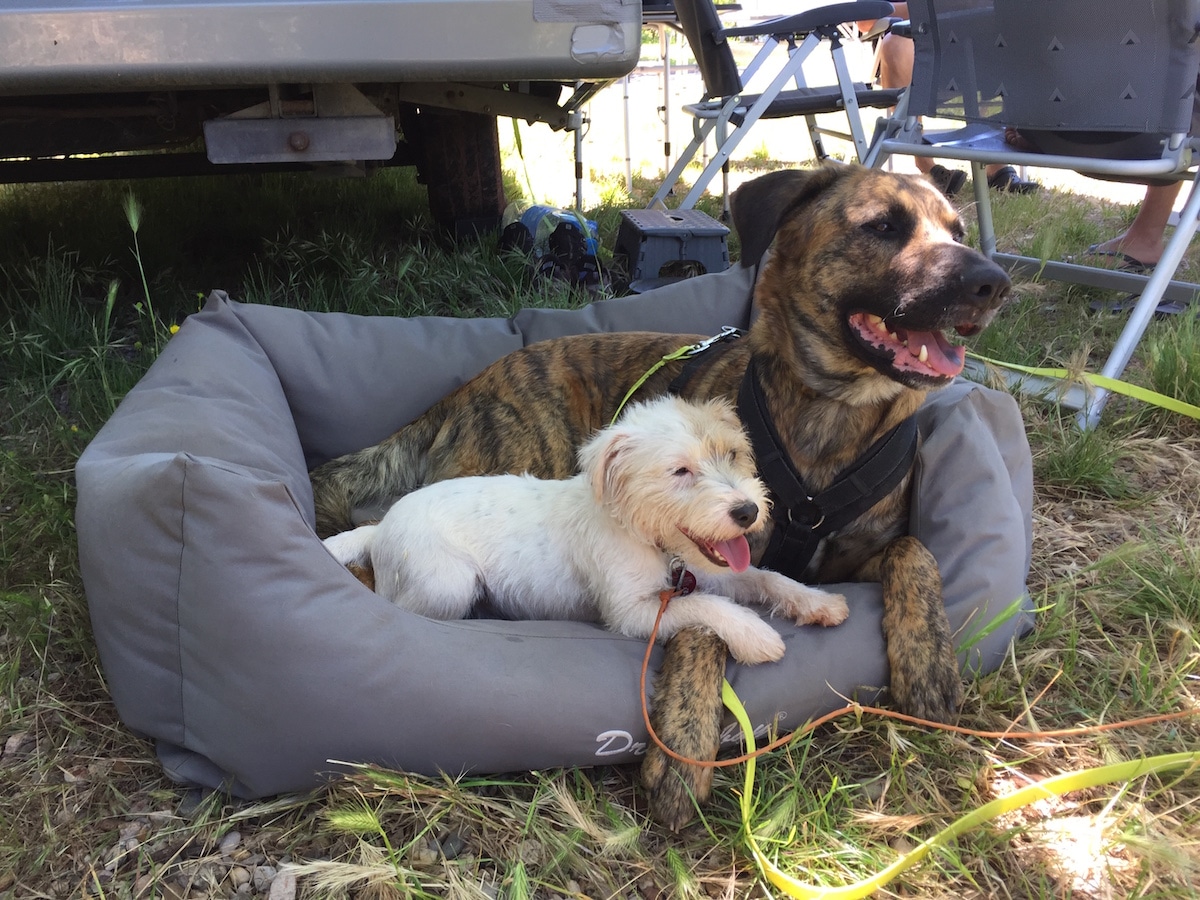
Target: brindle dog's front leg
<point>686,715</point>
<point>925,679</point>
<point>687,711</point>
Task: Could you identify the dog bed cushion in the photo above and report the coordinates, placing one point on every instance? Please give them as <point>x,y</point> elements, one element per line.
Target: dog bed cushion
<point>258,665</point>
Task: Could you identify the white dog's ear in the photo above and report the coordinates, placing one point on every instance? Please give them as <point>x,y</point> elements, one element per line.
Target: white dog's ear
<point>599,458</point>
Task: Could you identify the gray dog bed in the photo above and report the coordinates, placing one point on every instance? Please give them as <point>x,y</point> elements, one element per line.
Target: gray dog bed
<point>230,637</point>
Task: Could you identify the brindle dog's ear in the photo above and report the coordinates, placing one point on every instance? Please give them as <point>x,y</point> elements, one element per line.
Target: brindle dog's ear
<point>758,205</point>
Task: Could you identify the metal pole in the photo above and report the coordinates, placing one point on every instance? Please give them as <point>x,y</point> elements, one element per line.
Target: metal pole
<point>628,151</point>
<point>664,51</point>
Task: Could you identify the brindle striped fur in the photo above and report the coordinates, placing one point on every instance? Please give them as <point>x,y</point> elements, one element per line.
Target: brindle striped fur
<point>845,238</point>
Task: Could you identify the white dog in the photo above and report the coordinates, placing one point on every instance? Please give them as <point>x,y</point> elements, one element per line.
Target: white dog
<point>670,485</point>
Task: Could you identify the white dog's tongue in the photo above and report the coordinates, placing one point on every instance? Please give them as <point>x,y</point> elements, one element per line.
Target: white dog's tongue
<point>736,553</point>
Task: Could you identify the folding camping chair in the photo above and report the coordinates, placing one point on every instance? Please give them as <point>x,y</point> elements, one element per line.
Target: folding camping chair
<point>727,113</point>
<point>1107,89</point>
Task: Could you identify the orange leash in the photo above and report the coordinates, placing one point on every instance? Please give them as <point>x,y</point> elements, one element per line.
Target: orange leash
<point>666,596</point>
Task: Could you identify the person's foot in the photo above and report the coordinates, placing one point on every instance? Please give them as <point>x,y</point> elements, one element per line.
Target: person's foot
<point>1007,180</point>
<point>948,181</point>
<point>1017,141</point>
<point>1129,255</point>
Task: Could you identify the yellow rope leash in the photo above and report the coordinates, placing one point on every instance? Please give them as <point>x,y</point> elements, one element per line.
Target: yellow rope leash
<point>1101,381</point>
<point>1054,786</point>
<point>690,350</point>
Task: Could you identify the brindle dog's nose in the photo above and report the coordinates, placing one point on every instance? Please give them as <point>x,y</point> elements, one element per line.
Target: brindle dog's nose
<point>985,283</point>
<point>745,514</point>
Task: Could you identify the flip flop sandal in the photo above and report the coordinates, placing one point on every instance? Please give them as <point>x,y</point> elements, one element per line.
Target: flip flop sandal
<point>1008,181</point>
<point>948,181</point>
<point>1125,262</point>
<point>1171,308</point>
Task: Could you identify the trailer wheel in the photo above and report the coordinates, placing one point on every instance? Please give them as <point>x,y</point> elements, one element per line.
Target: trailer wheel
<point>458,160</point>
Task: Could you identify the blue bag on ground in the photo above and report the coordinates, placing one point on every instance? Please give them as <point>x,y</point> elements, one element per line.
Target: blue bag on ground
<point>563,243</point>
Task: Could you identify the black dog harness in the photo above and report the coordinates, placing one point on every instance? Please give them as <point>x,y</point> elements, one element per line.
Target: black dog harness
<point>802,520</point>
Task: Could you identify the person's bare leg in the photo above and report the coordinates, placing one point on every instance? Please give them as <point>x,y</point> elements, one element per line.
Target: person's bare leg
<point>1143,240</point>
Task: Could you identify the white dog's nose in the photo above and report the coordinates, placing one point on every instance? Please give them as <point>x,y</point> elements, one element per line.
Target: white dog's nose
<point>745,514</point>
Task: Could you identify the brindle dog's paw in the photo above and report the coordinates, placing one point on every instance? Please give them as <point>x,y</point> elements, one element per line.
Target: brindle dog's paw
<point>673,789</point>
<point>925,679</point>
<point>686,716</point>
<point>931,691</point>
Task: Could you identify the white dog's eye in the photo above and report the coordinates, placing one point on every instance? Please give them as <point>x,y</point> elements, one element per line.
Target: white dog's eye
<point>683,472</point>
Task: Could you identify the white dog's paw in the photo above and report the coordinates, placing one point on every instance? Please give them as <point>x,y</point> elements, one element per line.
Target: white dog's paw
<point>832,610</point>
<point>751,641</point>
<point>810,606</point>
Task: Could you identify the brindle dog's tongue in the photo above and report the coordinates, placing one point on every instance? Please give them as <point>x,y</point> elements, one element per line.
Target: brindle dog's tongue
<point>943,357</point>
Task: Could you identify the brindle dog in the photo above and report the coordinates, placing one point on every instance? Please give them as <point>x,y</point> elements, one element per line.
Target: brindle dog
<point>866,274</point>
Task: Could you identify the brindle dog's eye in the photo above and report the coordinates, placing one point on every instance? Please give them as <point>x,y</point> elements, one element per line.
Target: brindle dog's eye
<point>881,226</point>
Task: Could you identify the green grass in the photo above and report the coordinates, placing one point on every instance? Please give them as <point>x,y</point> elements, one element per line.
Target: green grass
<point>1171,360</point>
<point>85,809</point>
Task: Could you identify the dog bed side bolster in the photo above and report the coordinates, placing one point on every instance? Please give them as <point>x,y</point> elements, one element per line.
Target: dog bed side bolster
<point>973,508</point>
<point>700,305</point>
<point>210,395</point>
<point>350,381</point>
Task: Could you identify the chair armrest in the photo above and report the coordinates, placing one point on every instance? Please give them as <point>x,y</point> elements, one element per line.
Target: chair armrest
<point>822,17</point>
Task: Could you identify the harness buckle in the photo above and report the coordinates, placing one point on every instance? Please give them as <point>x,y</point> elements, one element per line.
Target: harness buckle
<point>727,332</point>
